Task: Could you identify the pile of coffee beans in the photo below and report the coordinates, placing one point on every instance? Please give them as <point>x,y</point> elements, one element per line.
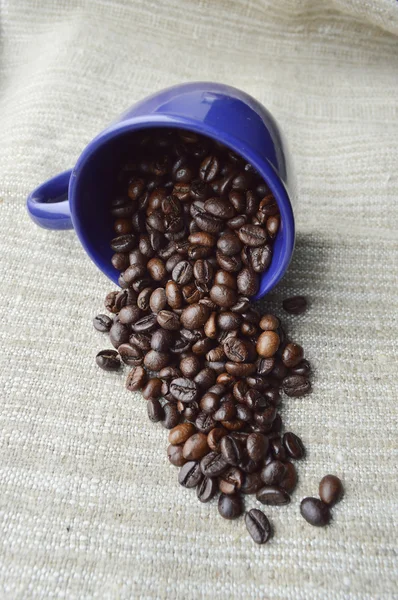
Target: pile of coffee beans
<point>194,229</point>
<point>317,512</point>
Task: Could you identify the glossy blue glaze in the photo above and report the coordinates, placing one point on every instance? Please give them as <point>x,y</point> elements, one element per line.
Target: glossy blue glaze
<point>219,111</point>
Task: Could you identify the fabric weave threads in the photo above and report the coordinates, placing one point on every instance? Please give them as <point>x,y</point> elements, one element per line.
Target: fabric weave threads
<point>89,506</point>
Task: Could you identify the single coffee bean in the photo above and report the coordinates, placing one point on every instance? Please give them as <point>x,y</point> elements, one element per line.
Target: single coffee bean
<point>248,282</point>
<point>229,244</point>
<point>131,355</point>
<point>273,473</point>
<point>158,300</point>
<point>293,445</point>
<point>231,264</point>
<point>278,450</point>
<point>296,385</point>
<point>207,489</point>
<point>213,464</point>
<point>231,481</point>
<point>102,323</point>
<point>174,454</point>
<point>161,340</point>
<point>315,512</point>
<point>260,258</point>
<point>202,347</point>
<point>214,438</point>
<point>330,489</point>
<point>201,238</point>
<point>155,361</point>
<point>219,207</point>
<point>273,495</point>
<point>140,340</point>
<point>292,354</point>
<point>190,366</point>
<point>252,235</point>
<point>120,261</point>
<point>155,410</point>
<point>153,388</point>
<point>258,526</point>
<point>257,446</point>
<point>194,316</point>
<point>190,474</point>
<point>196,446</point>
<point>184,389</point>
<point>231,450</point>
<point>123,243</point>
<point>156,268</point>
<point>223,296</point>
<point>210,403</point>
<point>204,422</point>
<point>230,506</point>
<point>122,226</point>
<point>236,350</point>
<point>251,483</point>
<point>209,168</point>
<point>108,360</point>
<point>118,334</point>
<point>180,434</point>
<point>146,324</point>
<point>168,320</point>
<point>268,344</point>
<point>136,379</point>
<point>295,305</point>
<point>171,416</point>
<point>182,272</point>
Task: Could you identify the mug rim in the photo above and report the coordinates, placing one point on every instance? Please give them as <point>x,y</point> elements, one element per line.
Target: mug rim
<point>262,165</point>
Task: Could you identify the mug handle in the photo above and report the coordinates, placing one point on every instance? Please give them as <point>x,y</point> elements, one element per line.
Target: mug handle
<point>48,204</point>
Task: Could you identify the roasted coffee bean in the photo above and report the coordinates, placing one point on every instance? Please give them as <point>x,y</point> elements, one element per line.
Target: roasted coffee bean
<point>273,495</point>
<point>205,378</point>
<point>251,483</point>
<point>190,474</point>
<point>203,271</point>
<point>268,207</point>
<point>136,188</point>
<point>175,456</point>
<point>141,340</point>
<point>168,320</point>
<point>172,262</point>
<point>199,190</point>
<point>122,226</point>
<point>252,235</point>
<point>260,258</point>
<point>274,473</point>
<point>196,446</point>
<point>171,416</point>
<point>108,360</point>
<point>219,207</point>
<point>144,298</point>
<point>155,410</point>
<point>231,481</point>
<point>141,284</point>
<point>268,344</point>
<point>231,450</point>
<point>292,354</point>
<point>131,355</point>
<point>237,222</point>
<point>209,223</point>
<point>293,445</point>
<point>191,293</point>
<point>184,389</point>
<point>146,324</point>
<point>216,355</point>
<point>236,350</point>
<point>228,320</point>
<point>295,305</point>
<point>303,368</point>
<point>202,347</point>
<point>225,278</point>
<point>153,388</point>
<point>248,282</point>
<point>289,480</point>
<point>102,323</point>
<point>110,302</point>
<point>204,422</point>
<point>296,385</point>
<point>258,526</point>
<point>213,464</point>
<point>248,465</point>
<point>315,512</point>
<point>230,506</point>
<point>161,340</point>
<point>136,379</point>
<point>243,413</point>
<point>201,238</point>
<point>257,446</point>
<point>169,373</point>
<point>330,489</point>
<point>120,261</point>
<point>229,244</point>
<point>226,412</point>
<point>123,243</point>
<point>231,264</point>
<point>181,433</point>
<point>209,168</point>
<point>173,295</point>
<point>240,369</point>
<point>194,316</point>
<point>190,366</point>
<point>223,296</point>
<point>182,272</point>
<point>155,361</point>
<point>158,300</point>
<point>209,403</point>
<point>118,334</point>
<point>207,489</point>
<point>214,438</point>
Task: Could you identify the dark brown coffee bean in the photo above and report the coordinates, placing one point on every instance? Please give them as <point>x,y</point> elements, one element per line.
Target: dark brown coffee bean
<point>108,360</point>
<point>201,238</point>
<point>226,412</point>
<point>202,347</point>
<point>196,447</point>
<point>209,168</point>
<point>268,207</point>
<point>207,489</point>
<point>194,316</point>
<point>293,445</point>
<point>118,334</point>
<point>190,366</point>
<point>274,473</point>
<point>231,481</point>
<point>175,456</point>
<point>258,526</point>
<point>203,271</point>
<point>135,379</point>
<point>120,261</point>
<point>231,264</point>
<point>131,355</point>
<point>123,243</point>
<point>144,298</point>
<point>330,489</point>
<point>153,388</point>
<point>161,340</point>
<point>230,507</point>
<point>252,235</point>
<point>228,320</point>
<point>156,268</point>
<point>220,208</point>
<point>181,433</point>
<point>183,389</point>
<point>260,258</point>
<point>141,340</point>
<point>229,244</point>
<point>171,416</point>
<point>236,350</point>
<point>315,512</point>
<point>240,369</point>
<point>292,354</point>
<point>204,422</point>
<point>231,450</point>
<point>146,324</point>
<point>223,296</point>
<point>273,495</point>
<point>296,385</point>
<point>251,483</point>
<point>155,361</point>
<point>214,438</point>
<point>257,446</point>
<point>168,320</point>
<point>182,272</point>
<point>102,323</point>
<point>173,295</point>
<point>205,378</point>
<point>295,305</point>
<point>213,464</point>
<point>248,282</point>
<point>135,189</point>
<point>122,226</point>
<point>155,410</point>
<point>172,262</point>
<point>208,223</point>
<point>289,480</point>
<point>190,474</point>
<point>216,354</point>
<point>268,344</point>
<point>278,450</point>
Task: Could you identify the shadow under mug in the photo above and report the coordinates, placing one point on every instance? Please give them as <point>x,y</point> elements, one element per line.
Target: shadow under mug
<point>80,198</point>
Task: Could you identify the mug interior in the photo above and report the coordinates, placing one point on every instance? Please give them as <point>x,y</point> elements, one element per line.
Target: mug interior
<point>92,188</point>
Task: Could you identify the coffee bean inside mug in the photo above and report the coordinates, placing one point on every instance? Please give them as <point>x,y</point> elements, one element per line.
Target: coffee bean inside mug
<point>194,229</point>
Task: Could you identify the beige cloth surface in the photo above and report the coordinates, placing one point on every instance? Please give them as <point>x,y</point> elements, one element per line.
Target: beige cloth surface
<point>89,506</point>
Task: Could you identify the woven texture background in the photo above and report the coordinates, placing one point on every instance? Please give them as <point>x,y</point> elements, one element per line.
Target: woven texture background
<point>89,506</point>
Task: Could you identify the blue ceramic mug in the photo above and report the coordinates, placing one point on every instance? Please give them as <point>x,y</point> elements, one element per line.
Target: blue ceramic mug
<point>79,198</point>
